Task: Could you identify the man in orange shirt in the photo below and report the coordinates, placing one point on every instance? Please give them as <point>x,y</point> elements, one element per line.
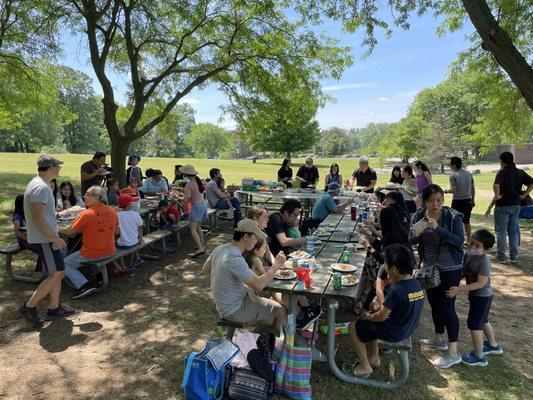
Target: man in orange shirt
<point>99,228</point>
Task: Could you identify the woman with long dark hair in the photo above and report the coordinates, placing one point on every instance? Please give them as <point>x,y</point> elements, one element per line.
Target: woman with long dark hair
<point>333,175</point>
<point>396,175</point>
<point>285,172</point>
<point>440,243</point>
<point>67,197</point>
<point>193,193</point>
<point>423,179</point>
<point>409,189</point>
<point>178,176</point>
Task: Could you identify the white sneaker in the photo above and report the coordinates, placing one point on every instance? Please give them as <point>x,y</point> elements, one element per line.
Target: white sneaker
<point>447,361</point>
<point>434,343</point>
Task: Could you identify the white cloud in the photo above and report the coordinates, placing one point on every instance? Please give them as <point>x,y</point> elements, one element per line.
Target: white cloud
<point>228,124</point>
<point>370,113</point>
<point>186,100</point>
<point>383,99</point>
<point>346,86</point>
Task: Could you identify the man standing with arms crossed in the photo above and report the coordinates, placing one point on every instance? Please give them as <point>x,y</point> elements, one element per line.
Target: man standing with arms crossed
<point>43,237</point>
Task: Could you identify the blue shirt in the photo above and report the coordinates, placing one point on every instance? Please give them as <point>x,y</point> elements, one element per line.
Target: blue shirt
<point>151,186</point>
<point>323,207</point>
<point>405,300</point>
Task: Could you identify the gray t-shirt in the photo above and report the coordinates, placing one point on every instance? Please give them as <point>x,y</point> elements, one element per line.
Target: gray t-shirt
<point>211,193</point>
<point>474,266</point>
<point>229,271</point>
<point>462,180</point>
<point>39,191</point>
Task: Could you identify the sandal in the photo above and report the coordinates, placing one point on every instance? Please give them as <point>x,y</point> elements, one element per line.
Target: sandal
<point>349,369</point>
<point>115,273</point>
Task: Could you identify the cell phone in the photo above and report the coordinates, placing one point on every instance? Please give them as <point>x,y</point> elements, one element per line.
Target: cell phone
<point>421,225</point>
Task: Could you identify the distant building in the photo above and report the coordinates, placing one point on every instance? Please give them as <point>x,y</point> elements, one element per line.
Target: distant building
<point>522,154</point>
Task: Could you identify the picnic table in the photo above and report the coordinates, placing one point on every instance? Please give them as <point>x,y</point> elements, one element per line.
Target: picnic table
<point>322,288</point>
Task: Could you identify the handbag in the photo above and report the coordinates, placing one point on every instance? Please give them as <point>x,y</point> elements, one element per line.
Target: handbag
<point>428,275</point>
<point>247,385</point>
<point>204,376</point>
<point>293,371</point>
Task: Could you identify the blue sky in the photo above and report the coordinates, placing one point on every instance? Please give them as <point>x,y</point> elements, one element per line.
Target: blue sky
<point>376,89</point>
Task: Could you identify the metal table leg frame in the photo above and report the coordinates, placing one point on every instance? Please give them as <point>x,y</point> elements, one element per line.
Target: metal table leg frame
<point>391,385</point>
<point>21,278</point>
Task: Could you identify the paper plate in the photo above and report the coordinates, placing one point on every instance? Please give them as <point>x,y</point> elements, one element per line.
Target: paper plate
<point>342,267</point>
<point>289,274</point>
<point>349,280</point>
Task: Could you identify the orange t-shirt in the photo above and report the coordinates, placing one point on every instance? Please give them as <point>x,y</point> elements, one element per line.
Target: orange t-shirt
<point>98,226</point>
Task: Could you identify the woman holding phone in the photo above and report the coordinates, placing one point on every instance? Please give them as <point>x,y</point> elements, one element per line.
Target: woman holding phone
<point>438,231</point>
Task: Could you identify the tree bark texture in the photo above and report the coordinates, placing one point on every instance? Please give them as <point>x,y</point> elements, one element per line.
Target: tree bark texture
<point>497,41</point>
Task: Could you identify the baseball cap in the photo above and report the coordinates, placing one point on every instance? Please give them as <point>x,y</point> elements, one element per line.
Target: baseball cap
<point>333,187</point>
<point>45,161</point>
<point>250,226</point>
<point>124,200</point>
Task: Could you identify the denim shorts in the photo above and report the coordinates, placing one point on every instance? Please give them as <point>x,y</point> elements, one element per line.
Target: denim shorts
<point>118,246</point>
<point>198,212</point>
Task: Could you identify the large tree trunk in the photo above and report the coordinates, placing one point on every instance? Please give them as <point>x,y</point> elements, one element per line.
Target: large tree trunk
<point>119,151</point>
<point>498,42</point>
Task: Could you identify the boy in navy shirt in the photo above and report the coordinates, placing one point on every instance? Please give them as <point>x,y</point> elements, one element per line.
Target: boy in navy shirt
<point>398,317</point>
<point>476,270</point>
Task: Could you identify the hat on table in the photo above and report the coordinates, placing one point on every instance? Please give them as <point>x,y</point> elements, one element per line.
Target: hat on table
<point>188,170</point>
<point>45,161</point>
<point>125,200</point>
<point>333,187</point>
<point>250,226</point>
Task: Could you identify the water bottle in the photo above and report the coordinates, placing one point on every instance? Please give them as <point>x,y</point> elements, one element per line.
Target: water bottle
<point>310,244</point>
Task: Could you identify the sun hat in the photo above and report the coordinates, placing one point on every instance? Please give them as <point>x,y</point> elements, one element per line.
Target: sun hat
<point>45,161</point>
<point>125,200</point>
<point>250,226</point>
<point>188,170</point>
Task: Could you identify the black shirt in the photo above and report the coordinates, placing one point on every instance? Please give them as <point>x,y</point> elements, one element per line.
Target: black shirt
<point>285,175</point>
<point>89,167</point>
<point>309,174</point>
<point>275,225</point>
<point>364,178</point>
<point>511,180</point>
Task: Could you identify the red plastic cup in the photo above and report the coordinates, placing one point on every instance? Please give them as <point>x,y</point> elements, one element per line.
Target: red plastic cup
<point>353,213</point>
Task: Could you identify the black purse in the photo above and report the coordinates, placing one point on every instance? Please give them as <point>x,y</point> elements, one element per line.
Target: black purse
<point>247,385</point>
<point>428,275</point>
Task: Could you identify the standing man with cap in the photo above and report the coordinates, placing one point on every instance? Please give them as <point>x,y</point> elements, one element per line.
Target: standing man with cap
<point>234,285</point>
<point>464,193</point>
<point>507,188</point>
<point>92,172</point>
<point>365,177</point>
<point>43,238</point>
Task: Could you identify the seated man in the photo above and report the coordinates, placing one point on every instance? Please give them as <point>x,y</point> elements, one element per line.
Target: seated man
<point>155,184</point>
<point>99,226</point>
<point>396,319</point>
<point>325,206</point>
<point>279,223</point>
<point>218,198</point>
<point>229,274</point>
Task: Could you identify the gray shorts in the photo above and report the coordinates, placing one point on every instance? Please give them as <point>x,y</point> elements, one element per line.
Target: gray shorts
<point>255,308</point>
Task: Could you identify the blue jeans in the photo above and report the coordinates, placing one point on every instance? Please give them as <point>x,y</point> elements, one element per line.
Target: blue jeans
<point>222,204</point>
<point>506,223</point>
<point>72,263</point>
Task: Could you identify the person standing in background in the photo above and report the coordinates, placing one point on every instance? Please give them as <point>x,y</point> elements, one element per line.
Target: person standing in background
<point>92,172</point>
<point>365,177</point>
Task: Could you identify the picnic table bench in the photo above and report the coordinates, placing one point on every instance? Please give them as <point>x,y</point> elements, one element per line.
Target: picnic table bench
<point>11,251</point>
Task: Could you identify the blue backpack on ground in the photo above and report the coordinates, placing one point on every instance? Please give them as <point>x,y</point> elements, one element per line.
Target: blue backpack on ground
<point>205,372</point>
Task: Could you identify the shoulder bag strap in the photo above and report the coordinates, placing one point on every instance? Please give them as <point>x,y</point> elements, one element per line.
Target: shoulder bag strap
<point>188,366</point>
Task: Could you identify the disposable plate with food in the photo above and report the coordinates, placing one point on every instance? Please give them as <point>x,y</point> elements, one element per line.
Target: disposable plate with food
<point>299,254</point>
<point>343,267</point>
<point>349,280</point>
<point>285,274</point>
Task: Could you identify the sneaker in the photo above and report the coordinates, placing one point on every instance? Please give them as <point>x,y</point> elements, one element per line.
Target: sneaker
<point>434,343</point>
<point>473,360</point>
<point>31,315</point>
<point>59,312</point>
<point>447,361</point>
<point>488,349</point>
<point>307,316</point>
<point>85,290</point>
<point>501,257</point>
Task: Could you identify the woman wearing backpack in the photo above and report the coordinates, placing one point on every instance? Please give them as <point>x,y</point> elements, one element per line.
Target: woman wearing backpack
<point>439,237</point>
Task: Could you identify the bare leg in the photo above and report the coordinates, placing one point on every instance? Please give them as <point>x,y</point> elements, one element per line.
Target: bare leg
<point>373,354</point>
<point>489,333</point>
<point>53,297</point>
<point>45,287</point>
<point>200,234</point>
<point>477,339</point>
<point>452,348</point>
<point>468,231</point>
<point>194,233</point>
<point>280,319</point>
<point>364,366</point>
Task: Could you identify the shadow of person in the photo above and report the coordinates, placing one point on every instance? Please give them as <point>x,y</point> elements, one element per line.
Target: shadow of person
<point>90,327</point>
<point>57,336</point>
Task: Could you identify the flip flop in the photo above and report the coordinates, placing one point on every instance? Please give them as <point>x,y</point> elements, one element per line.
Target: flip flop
<point>349,369</point>
<point>197,254</point>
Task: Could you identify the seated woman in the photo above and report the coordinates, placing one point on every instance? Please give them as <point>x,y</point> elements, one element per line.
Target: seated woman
<point>397,319</point>
<point>68,197</point>
<point>19,222</point>
<point>112,192</point>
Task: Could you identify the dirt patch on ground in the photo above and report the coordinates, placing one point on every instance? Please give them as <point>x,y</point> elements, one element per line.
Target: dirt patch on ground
<point>130,342</point>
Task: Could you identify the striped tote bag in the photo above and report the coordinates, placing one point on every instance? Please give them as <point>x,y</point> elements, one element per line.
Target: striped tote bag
<point>293,372</point>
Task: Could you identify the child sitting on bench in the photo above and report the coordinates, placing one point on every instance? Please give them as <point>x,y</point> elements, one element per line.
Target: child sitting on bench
<point>131,230</point>
<point>398,317</point>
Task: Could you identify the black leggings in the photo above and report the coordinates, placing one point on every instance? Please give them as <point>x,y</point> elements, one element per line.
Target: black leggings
<point>442,307</point>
